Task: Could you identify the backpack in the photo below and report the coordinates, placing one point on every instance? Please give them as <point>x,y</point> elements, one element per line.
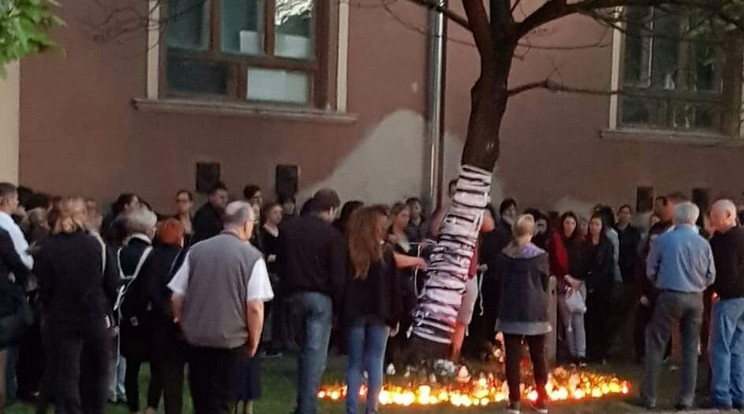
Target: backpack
<point>131,303</point>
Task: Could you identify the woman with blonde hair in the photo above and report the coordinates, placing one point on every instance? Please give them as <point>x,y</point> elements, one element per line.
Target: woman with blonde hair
<point>523,273</point>
<point>374,303</point>
<point>77,294</point>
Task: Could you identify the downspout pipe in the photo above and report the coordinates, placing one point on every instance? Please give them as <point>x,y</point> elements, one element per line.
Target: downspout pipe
<point>436,68</point>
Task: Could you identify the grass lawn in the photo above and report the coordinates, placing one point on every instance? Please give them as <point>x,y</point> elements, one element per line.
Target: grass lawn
<point>279,393</point>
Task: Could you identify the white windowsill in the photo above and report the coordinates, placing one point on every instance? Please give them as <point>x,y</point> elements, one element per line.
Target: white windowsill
<point>670,137</point>
<point>217,108</point>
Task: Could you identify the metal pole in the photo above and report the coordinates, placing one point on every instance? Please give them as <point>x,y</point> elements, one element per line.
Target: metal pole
<point>435,105</point>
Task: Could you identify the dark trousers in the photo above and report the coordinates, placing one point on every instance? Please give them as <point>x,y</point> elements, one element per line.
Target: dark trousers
<point>131,385</point>
<point>30,362</point>
<point>513,347</point>
<point>69,340</point>
<point>212,375</point>
<point>169,362</point>
<point>673,309</point>
<point>598,333</point>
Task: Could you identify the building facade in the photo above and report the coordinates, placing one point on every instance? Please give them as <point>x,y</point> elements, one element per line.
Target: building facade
<point>339,89</point>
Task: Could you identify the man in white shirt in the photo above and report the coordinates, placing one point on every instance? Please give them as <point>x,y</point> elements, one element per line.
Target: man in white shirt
<point>218,297</point>
<point>8,206</point>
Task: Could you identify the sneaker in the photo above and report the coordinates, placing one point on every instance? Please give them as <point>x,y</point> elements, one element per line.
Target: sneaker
<point>682,407</point>
<point>271,354</point>
<point>541,406</point>
<point>514,407</point>
<point>641,402</point>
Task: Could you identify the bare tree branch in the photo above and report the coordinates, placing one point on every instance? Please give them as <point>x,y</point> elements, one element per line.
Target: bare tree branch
<point>435,5</point>
<point>554,86</point>
<point>479,26</point>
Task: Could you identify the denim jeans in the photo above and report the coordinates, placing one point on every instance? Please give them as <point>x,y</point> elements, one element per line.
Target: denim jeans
<point>574,326</point>
<point>366,347</point>
<point>311,314</point>
<point>672,309</point>
<point>727,353</point>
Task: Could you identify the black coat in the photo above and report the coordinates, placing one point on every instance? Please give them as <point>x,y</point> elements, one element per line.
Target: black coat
<point>630,238</point>
<point>74,286</point>
<point>379,295</point>
<point>600,265</point>
<point>10,262</point>
<point>207,223</point>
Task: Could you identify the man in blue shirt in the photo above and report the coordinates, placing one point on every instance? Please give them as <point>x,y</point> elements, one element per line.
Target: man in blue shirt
<point>681,267</point>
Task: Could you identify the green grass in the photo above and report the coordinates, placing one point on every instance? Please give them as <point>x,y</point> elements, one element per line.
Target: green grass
<point>279,393</point>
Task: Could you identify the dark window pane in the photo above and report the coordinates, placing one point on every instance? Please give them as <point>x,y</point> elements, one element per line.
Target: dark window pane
<point>637,62</point>
<point>187,76</point>
<point>666,50</point>
<point>696,115</point>
<point>188,24</point>
<point>242,26</point>
<point>636,111</point>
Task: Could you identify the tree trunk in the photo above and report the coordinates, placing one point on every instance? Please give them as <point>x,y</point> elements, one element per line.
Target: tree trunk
<point>439,303</point>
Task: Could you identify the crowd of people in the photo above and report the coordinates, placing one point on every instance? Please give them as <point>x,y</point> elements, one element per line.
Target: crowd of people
<point>213,292</point>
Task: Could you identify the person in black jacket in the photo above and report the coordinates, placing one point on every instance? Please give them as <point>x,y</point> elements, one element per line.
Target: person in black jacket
<point>599,281</point>
<point>312,271</point>
<point>374,303</point>
<point>10,264</point>
<point>208,219</point>
<point>136,310</point>
<point>77,293</point>
<point>523,274</point>
<point>168,345</point>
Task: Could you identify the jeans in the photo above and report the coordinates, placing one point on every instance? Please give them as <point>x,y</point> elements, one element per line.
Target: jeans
<point>673,308</point>
<point>70,339</point>
<point>366,347</point>
<point>311,314</point>
<point>574,325</point>
<point>117,368</point>
<point>212,374</point>
<point>727,353</point>
<point>513,348</point>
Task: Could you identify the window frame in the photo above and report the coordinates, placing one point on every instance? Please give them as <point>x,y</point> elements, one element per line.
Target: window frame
<point>318,68</point>
<point>728,97</point>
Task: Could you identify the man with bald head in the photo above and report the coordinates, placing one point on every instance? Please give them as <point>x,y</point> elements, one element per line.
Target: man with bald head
<point>727,330</point>
<point>218,297</point>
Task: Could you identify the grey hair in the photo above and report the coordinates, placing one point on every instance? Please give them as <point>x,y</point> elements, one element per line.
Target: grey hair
<point>728,206</point>
<point>237,213</point>
<point>142,221</point>
<point>686,213</point>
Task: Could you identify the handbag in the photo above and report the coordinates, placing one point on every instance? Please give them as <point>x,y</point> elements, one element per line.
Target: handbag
<point>575,302</point>
<point>16,314</point>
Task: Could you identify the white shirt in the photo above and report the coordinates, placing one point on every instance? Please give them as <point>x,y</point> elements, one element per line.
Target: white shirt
<point>259,286</point>
<point>19,240</point>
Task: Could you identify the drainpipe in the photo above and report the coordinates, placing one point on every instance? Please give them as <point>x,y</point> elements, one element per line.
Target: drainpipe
<point>436,65</point>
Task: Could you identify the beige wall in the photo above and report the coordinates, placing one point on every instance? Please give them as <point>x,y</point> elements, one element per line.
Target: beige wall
<point>9,123</point>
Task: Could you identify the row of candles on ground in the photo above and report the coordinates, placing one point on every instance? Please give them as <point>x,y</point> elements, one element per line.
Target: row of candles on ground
<point>487,390</point>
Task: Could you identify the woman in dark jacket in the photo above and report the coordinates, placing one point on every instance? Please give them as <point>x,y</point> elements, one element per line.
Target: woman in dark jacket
<point>599,281</point>
<point>77,293</point>
<point>168,345</point>
<point>567,264</point>
<point>374,303</point>
<point>523,274</point>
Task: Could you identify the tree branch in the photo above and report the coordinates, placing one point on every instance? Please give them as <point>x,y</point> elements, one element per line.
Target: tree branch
<point>435,5</point>
<point>554,87</point>
<point>478,22</point>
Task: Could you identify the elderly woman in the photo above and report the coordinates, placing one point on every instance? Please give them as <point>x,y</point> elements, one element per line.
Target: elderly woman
<point>136,312</point>
<point>523,274</point>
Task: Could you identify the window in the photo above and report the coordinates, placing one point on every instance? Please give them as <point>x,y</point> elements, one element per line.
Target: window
<point>257,51</point>
<point>676,76</point>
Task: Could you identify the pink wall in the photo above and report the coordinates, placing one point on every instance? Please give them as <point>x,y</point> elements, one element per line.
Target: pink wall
<point>81,134</point>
